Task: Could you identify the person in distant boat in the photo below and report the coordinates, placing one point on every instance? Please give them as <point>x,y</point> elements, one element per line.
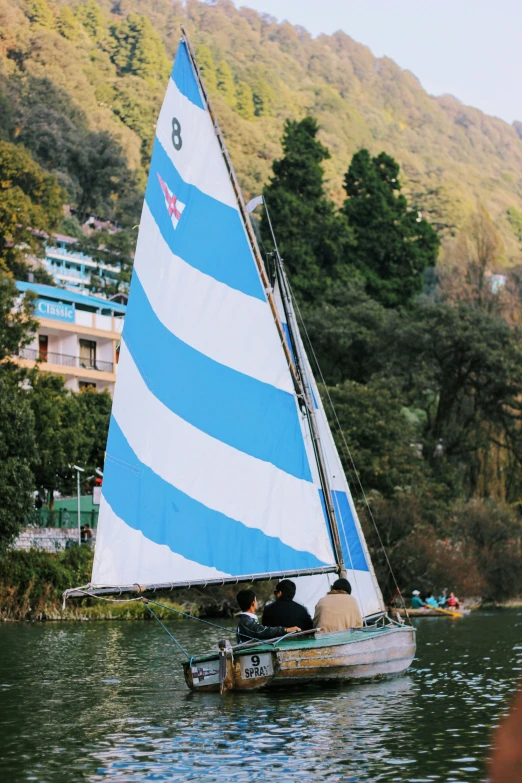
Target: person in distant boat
<point>452,602</point>
<point>284,610</point>
<point>248,626</point>
<point>431,601</point>
<point>416,600</point>
<point>338,610</point>
<point>443,598</point>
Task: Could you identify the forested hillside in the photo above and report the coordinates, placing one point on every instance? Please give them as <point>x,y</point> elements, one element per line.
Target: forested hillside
<point>81,84</point>
<point>367,178</point>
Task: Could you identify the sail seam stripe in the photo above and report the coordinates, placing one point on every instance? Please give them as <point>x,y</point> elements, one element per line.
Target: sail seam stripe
<point>219,321</point>
<point>166,515</point>
<point>209,234</point>
<point>224,403</point>
<point>263,496</point>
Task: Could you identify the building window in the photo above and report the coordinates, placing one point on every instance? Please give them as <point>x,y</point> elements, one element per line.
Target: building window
<point>86,385</point>
<point>88,354</point>
<point>43,346</point>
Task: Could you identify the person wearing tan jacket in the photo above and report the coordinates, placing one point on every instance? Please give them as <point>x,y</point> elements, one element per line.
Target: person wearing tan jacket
<point>338,610</point>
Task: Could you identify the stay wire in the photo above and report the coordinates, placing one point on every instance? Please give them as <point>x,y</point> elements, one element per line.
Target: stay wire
<point>348,452</point>
<point>169,633</point>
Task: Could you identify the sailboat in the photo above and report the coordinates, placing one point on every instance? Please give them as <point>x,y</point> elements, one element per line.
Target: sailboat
<point>220,464</point>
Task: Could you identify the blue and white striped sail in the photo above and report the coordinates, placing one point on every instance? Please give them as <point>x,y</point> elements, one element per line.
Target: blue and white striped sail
<point>357,559</point>
<point>206,475</point>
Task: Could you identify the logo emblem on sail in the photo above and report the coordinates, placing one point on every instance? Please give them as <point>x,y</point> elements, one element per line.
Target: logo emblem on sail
<point>174,205</point>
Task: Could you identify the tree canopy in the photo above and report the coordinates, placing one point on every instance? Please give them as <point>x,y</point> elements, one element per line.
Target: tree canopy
<point>393,245</point>
<point>312,236</point>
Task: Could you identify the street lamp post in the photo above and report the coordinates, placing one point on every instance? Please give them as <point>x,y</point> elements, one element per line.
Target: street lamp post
<point>78,471</point>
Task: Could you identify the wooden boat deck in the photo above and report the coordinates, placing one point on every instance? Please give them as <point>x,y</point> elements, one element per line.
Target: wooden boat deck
<point>321,640</point>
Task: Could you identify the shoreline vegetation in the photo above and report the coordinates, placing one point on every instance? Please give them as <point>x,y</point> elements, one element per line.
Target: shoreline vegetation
<point>32,583</point>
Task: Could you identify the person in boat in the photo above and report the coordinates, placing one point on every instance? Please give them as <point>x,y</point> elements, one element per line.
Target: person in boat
<point>338,610</point>
<point>416,600</point>
<point>431,601</point>
<point>249,627</point>
<point>452,602</point>
<point>443,598</point>
<point>284,610</point>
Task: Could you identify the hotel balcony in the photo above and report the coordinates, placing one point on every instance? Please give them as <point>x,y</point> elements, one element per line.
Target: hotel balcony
<point>64,360</point>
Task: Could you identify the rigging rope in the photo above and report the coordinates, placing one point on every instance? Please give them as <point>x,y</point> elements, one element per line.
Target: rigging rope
<point>167,631</point>
<point>348,452</point>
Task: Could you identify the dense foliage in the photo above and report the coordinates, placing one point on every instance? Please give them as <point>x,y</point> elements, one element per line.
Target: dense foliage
<point>426,388</point>
<point>422,362</point>
<point>81,83</point>
<point>44,427</point>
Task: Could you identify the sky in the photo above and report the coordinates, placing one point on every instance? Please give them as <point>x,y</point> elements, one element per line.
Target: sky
<point>471,49</point>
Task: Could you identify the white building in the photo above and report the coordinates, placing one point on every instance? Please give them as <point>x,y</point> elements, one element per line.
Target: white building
<point>78,337</point>
<point>73,269</point>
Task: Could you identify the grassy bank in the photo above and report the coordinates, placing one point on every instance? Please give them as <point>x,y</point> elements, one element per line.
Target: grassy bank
<point>32,583</point>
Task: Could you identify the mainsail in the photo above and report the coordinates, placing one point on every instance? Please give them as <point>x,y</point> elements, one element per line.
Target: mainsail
<point>357,561</point>
<point>207,474</point>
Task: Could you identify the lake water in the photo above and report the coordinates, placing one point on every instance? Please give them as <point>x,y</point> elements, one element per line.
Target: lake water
<point>107,701</point>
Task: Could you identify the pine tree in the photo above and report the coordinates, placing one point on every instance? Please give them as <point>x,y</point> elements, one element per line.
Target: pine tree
<point>313,238</point>
<point>40,14</point>
<point>263,97</point>
<point>393,245</point>
<point>137,49</point>
<point>225,82</point>
<point>207,67</point>
<point>68,24</point>
<point>90,15</point>
<point>244,101</point>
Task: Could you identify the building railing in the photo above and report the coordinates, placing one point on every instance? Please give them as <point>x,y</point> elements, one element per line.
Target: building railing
<point>62,518</point>
<point>65,360</point>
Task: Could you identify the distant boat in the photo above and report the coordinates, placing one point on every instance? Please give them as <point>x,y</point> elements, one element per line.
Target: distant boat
<point>220,466</point>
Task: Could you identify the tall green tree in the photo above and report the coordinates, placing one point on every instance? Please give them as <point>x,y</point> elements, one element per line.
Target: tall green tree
<point>17,442</point>
<point>313,238</point>
<point>90,15</point>
<point>31,204</point>
<point>207,66</point>
<point>56,427</point>
<point>463,367</point>
<point>245,101</point>
<point>393,244</point>
<point>94,411</point>
<point>40,14</point>
<point>225,82</point>
<point>136,48</point>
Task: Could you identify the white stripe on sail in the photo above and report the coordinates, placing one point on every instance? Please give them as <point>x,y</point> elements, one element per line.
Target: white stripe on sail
<point>224,324</point>
<point>217,475</point>
<point>208,171</point>
<point>124,556</point>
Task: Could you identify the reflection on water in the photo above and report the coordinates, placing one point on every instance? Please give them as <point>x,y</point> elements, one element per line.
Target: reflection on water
<point>107,701</point>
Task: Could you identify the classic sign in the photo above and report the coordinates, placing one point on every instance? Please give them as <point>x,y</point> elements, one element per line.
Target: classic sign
<point>253,666</point>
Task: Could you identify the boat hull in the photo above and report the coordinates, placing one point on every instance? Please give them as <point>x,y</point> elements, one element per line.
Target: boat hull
<point>338,657</point>
<point>431,613</point>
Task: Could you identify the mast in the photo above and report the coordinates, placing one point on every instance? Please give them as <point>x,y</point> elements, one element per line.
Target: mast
<point>299,377</point>
<point>309,404</point>
<point>242,211</point>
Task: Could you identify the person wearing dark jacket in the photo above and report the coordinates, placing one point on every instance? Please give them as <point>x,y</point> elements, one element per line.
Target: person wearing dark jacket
<point>284,610</point>
<point>248,626</point>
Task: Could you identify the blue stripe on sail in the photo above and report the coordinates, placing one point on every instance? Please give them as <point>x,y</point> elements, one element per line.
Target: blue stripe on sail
<point>253,417</point>
<point>183,76</point>
<point>209,235</point>
<point>165,515</point>
<point>348,534</point>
